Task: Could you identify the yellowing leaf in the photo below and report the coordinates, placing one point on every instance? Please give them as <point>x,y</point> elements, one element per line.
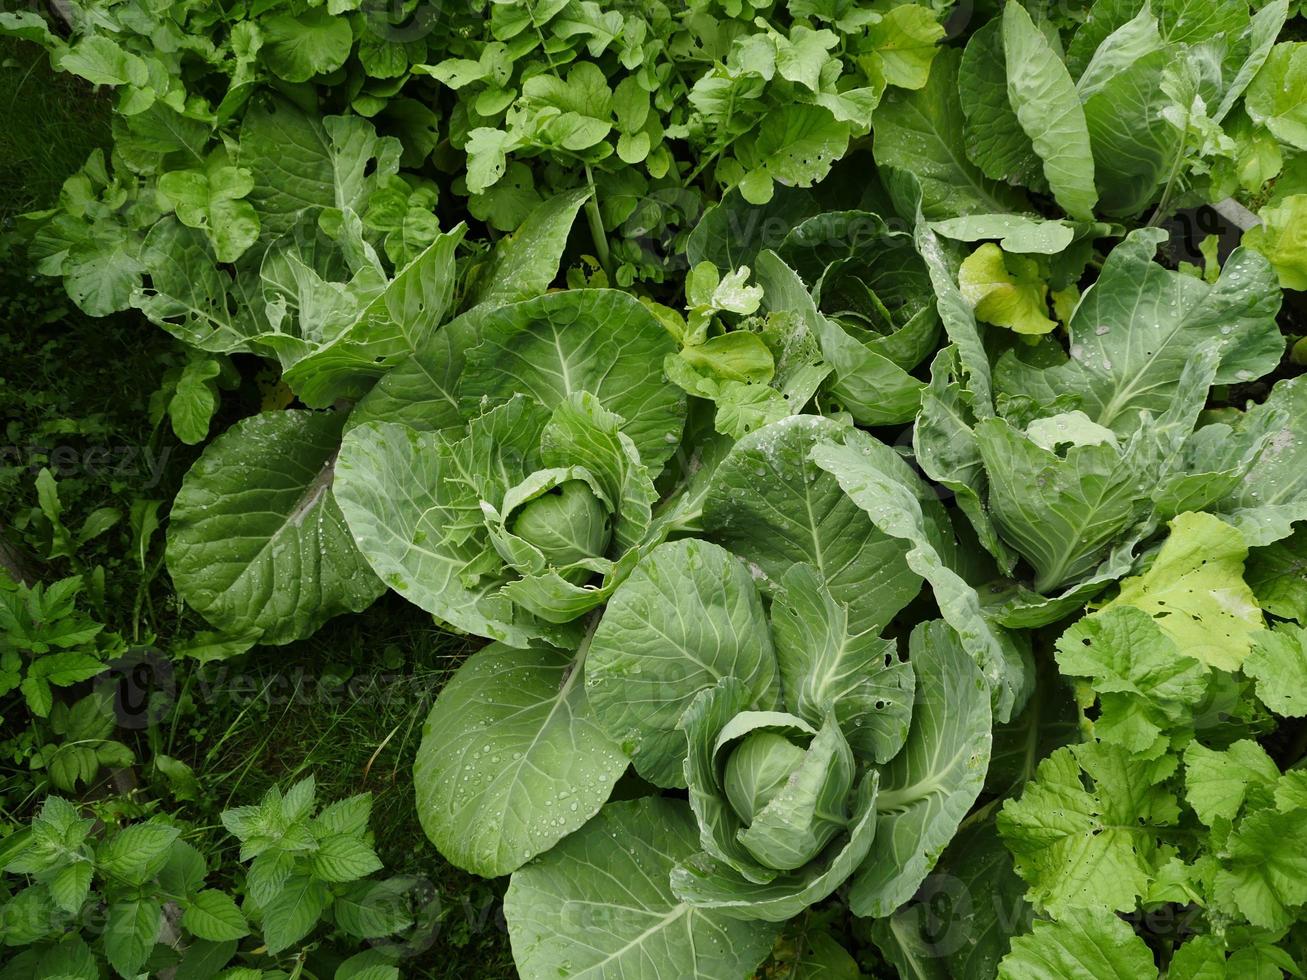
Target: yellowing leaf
<point>1282,238</point>
<point>1278,663</point>
<point>1196,593</point>
<point>1006,290</point>
<point>904,43</point>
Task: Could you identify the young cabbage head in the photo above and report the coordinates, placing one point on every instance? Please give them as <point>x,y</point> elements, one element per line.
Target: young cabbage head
<point>567,523</point>
<point>788,785</point>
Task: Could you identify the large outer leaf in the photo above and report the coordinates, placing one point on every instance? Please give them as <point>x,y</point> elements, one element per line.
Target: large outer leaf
<point>1135,39</point>
<point>1044,98</point>
<point>599,906</point>
<point>413,502</point>
<point>995,141</point>
<point>774,507</point>
<point>1137,327</point>
<point>823,661</point>
<point>688,615</point>
<point>395,324</point>
<point>966,914</point>
<point>302,161</point>
<point>422,391</point>
<point>872,475</point>
<point>921,132</point>
<point>511,759</point>
<point>1273,494</point>
<point>189,295</point>
<point>1107,16</point>
<point>256,541</point>
<point>1262,31</point>
<point>596,340</point>
<point>1133,144</point>
<point>927,788</point>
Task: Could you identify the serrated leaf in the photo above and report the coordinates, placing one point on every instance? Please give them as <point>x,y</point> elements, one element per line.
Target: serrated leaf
<point>213,915</point>
<point>292,912</point>
<point>342,857</point>
<point>372,909</point>
<point>1195,592</point>
<point>1278,664</point>
<point>1217,782</point>
<point>1079,946</point>
<point>69,887</point>
<point>131,929</point>
<point>136,853</point>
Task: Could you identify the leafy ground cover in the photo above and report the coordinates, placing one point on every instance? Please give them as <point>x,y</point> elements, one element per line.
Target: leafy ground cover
<point>764,489</point>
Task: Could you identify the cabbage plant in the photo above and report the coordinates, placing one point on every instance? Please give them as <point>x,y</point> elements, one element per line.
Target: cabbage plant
<point>824,759</point>
<point>1068,459</point>
<point>518,522</point>
<point>840,309</point>
<point>259,508</point>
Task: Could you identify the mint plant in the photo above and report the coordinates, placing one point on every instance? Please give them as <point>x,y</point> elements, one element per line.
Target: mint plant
<point>47,642</point>
<point>141,898</point>
<point>302,862</point>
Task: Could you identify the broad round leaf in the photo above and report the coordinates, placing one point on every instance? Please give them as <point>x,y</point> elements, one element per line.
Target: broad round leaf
<point>422,391</point>
<point>297,48</point>
<point>688,615</point>
<point>774,508</point>
<point>512,759</point>
<point>256,541</point>
<point>600,905</point>
<point>596,340</point>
